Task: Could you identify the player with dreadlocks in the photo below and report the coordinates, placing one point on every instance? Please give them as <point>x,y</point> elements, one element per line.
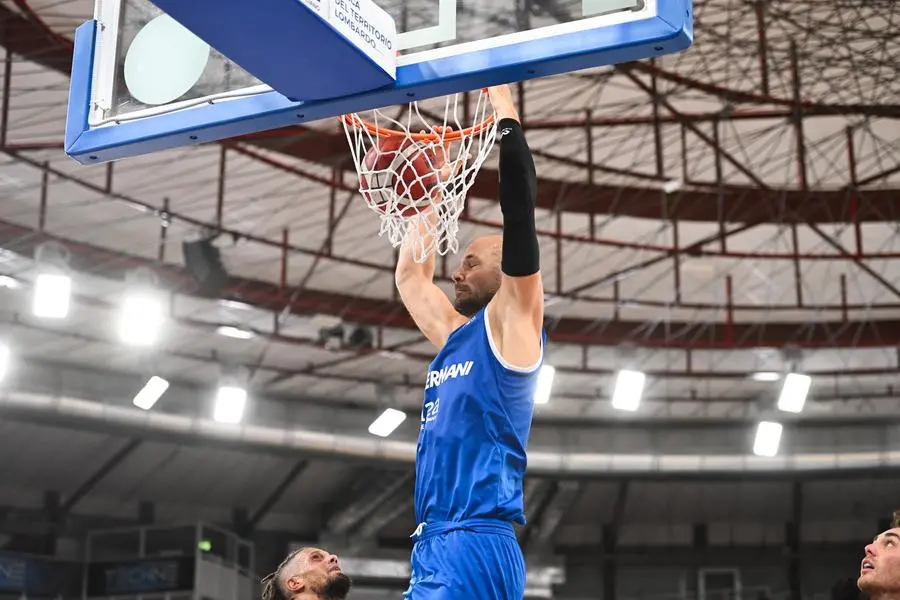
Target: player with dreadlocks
<point>307,574</point>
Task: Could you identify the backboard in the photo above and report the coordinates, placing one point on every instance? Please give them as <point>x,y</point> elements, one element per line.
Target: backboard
<point>143,82</point>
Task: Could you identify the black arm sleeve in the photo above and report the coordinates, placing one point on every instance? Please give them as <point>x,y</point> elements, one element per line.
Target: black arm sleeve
<point>518,193</point>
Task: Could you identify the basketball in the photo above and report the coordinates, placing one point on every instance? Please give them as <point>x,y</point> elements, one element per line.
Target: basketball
<point>397,167</point>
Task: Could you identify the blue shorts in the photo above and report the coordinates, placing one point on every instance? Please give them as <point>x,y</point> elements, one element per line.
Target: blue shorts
<point>478,558</point>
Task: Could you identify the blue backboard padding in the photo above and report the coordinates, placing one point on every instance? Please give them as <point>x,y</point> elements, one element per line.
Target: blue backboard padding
<point>283,43</point>
<point>671,31</point>
<point>79,105</point>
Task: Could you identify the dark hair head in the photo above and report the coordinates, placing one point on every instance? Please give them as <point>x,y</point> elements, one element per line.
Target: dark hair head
<point>271,583</point>
<point>895,522</point>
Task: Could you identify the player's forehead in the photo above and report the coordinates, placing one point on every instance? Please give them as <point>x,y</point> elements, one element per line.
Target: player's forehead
<point>888,534</point>
<point>307,555</point>
<point>481,247</point>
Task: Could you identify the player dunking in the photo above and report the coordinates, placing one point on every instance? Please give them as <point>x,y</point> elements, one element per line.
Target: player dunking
<point>478,404</point>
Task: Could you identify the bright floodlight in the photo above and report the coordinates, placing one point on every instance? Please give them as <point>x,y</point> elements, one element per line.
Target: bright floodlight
<point>151,392</point>
<point>234,332</point>
<point>768,437</point>
<point>793,393</point>
<point>230,402</point>
<point>544,384</point>
<point>766,376</point>
<point>672,185</point>
<point>140,319</point>
<point>10,283</point>
<point>629,388</point>
<point>52,293</point>
<point>4,360</point>
<point>387,422</point>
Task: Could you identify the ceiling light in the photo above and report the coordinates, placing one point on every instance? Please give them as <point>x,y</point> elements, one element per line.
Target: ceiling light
<point>794,392</point>
<point>53,285</point>
<point>672,185</point>
<point>766,376</point>
<point>235,305</point>
<point>628,391</point>
<point>10,283</point>
<point>52,293</point>
<point>235,332</point>
<point>150,393</point>
<point>768,438</point>
<point>5,356</point>
<point>230,401</point>
<point>140,319</point>
<point>544,384</point>
<point>387,422</point>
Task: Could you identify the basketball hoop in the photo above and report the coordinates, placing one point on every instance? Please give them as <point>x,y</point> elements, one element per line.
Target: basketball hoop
<point>416,173</point>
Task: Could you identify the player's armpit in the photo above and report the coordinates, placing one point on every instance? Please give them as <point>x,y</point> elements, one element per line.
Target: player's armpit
<point>517,319</point>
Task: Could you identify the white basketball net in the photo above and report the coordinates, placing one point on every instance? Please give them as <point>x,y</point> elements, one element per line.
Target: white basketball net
<point>420,185</point>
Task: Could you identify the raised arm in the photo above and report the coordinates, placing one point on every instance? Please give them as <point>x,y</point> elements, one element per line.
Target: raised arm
<point>427,304</point>
<point>517,310</point>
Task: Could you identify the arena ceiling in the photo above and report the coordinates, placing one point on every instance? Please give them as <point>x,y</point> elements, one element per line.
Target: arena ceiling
<point>704,218</point>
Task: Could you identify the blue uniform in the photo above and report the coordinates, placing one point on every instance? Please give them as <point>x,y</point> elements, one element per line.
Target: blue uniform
<point>470,463</point>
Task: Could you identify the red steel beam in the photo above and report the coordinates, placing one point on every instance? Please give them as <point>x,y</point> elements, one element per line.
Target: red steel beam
<point>108,186</point>
<point>844,315</point>
<point>745,97</point>
<point>798,118</point>
<point>163,232</point>
<point>220,185</point>
<point>45,193</point>
<point>729,309</point>
<point>696,250</point>
<point>720,184</point>
<point>863,266</point>
<point>854,194</point>
<point>657,127</point>
<point>564,182</point>
<point>7,79</point>
<point>762,45</point>
<point>676,261</point>
<point>209,327</point>
<point>798,275</point>
<point>376,312</point>
<point>36,42</point>
<point>697,131</point>
<point>286,373</point>
<point>819,206</point>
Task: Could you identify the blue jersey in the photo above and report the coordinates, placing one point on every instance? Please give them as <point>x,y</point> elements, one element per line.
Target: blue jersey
<point>476,418</point>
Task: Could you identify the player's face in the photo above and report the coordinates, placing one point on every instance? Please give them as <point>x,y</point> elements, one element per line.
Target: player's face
<point>880,568</point>
<point>319,572</point>
<point>478,277</point>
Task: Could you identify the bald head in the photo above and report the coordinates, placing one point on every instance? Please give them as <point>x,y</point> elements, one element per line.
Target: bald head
<point>492,244</point>
<point>478,277</point>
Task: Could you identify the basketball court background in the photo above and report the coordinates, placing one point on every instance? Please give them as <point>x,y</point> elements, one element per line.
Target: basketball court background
<point>708,218</point>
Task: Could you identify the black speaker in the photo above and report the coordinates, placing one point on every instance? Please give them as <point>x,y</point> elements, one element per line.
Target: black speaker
<point>204,264</point>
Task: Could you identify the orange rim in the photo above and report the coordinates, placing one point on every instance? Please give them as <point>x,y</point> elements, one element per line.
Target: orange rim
<point>448,135</point>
